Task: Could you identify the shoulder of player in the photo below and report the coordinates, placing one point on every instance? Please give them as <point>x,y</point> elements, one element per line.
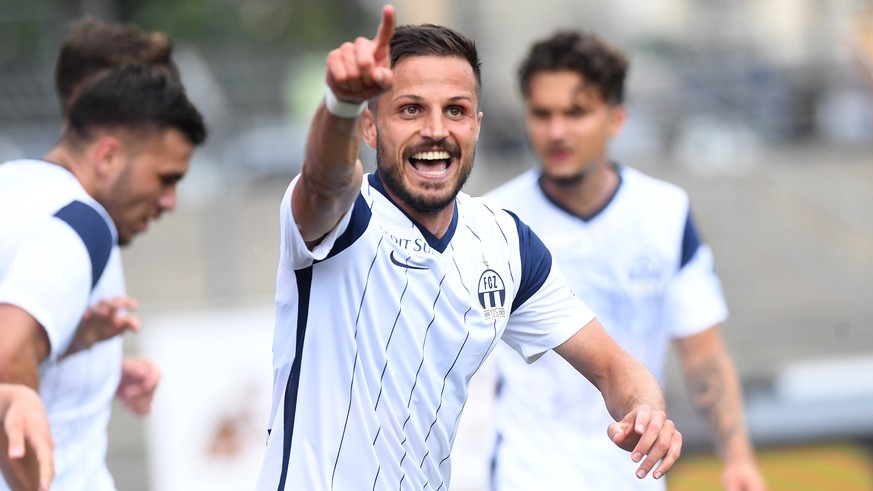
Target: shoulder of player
<point>656,194</point>
<point>509,192</point>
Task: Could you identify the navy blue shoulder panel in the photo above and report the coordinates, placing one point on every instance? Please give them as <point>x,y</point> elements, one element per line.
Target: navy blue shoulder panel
<point>360,219</point>
<point>94,232</point>
<point>690,241</point>
<point>536,262</point>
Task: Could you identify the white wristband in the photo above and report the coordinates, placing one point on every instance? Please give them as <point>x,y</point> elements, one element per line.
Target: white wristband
<point>342,109</point>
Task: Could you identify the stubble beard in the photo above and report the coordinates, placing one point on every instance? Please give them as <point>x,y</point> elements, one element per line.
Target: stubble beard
<point>391,174</point>
<point>565,181</point>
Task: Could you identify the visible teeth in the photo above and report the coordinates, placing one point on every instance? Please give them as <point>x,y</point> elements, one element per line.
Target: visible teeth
<point>433,170</point>
<point>442,155</point>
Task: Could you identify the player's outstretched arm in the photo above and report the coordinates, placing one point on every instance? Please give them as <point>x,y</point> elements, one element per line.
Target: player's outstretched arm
<point>25,426</point>
<point>331,175</point>
<point>632,395</point>
<point>714,387</point>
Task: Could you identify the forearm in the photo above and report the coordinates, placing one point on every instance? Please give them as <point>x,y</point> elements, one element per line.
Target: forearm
<point>331,174</point>
<point>630,386</point>
<point>715,391</point>
<point>83,340</point>
<point>623,381</point>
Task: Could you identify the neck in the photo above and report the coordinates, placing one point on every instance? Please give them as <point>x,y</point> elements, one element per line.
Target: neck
<point>59,155</point>
<point>435,222</point>
<point>585,196</point>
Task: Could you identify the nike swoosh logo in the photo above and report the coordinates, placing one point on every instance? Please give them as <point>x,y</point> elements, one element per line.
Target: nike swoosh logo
<point>403,265</point>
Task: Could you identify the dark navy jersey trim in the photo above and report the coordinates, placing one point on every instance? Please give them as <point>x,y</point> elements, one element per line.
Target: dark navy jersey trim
<point>536,263</point>
<point>358,224</point>
<point>596,213</point>
<point>438,244</point>
<point>304,286</point>
<point>95,233</point>
<point>492,467</point>
<point>690,241</point>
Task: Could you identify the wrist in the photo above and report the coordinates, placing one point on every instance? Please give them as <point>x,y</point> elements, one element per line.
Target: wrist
<point>342,109</point>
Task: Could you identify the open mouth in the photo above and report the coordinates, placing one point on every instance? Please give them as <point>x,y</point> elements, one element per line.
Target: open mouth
<point>432,164</point>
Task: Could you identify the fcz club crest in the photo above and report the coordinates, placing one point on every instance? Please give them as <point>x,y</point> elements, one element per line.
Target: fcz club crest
<point>492,295</point>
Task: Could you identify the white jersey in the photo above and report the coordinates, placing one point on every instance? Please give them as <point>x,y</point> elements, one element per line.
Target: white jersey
<point>58,254</point>
<point>640,265</point>
<point>379,330</point>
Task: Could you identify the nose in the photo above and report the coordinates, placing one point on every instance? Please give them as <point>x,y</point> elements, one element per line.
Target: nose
<point>167,200</point>
<point>434,128</point>
<point>557,128</point>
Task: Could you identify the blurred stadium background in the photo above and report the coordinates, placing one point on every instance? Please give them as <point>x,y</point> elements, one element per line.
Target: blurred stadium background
<point>761,109</point>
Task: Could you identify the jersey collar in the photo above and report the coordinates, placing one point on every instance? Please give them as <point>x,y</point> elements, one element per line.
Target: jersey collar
<point>438,244</point>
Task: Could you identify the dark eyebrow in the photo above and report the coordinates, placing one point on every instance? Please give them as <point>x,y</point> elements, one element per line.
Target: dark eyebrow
<point>417,98</point>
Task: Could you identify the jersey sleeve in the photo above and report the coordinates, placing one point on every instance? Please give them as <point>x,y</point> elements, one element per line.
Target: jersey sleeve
<point>545,312</point>
<point>294,252</point>
<point>50,277</point>
<point>694,300</point>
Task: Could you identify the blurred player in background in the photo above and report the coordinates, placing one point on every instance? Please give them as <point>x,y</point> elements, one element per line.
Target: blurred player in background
<point>629,247</point>
<point>93,47</point>
<point>394,287</point>
<point>129,135</point>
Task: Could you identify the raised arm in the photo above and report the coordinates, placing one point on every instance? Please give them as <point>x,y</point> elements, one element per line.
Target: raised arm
<point>632,395</point>
<point>331,174</point>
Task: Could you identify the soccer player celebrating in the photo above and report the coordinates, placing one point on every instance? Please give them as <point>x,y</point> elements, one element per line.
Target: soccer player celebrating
<point>128,141</point>
<point>394,287</point>
<point>630,248</point>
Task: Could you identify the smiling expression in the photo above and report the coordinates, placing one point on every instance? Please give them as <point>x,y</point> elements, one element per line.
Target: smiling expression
<point>424,130</point>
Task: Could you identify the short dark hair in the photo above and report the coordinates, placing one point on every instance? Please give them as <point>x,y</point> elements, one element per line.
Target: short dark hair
<point>433,40</point>
<point>134,97</point>
<point>600,65</point>
<point>94,46</point>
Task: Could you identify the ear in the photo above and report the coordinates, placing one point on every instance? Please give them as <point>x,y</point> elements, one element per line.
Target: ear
<point>478,123</point>
<point>368,120</point>
<point>617,119</point>
<point>108,155</point>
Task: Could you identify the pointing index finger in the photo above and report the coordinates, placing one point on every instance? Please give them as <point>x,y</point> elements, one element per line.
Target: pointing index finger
<point>384,33</point>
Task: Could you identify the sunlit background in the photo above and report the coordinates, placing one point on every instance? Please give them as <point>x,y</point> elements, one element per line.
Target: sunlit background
<point>761,109</point>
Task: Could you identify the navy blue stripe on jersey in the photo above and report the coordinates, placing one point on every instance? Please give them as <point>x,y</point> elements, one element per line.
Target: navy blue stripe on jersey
<point>536,263</point>
<point>358,223</point>
<point>498,442</point>
<point>89,224</point>
<point>304,286</point>
<point>355,364</point>
<point>690,241</point>
<point>438,244</point>
<point>442,393</point>
<point>417,373</point>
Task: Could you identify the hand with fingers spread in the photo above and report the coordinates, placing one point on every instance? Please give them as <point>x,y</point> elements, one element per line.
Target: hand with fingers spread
<point>139,380</point>
<point>105,320</point>
<point>24,421</point>
<point>361,70</point>
<point>650,437</point>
